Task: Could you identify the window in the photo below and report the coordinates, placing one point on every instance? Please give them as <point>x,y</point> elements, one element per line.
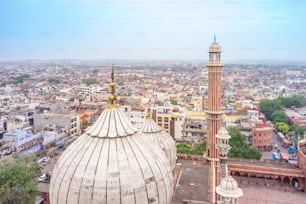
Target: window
<point>166,126</point>
<point>166,119</point>
<point>159,119</point>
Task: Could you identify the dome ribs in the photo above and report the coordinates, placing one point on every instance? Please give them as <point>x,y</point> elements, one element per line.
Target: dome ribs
<point>136,161</point>
<point>96,167</point>
<point>152,178</point>
<point>77,179</point>
<point>84,185</point>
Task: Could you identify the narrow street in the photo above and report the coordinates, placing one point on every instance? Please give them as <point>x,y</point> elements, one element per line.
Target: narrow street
<point>275,140</point>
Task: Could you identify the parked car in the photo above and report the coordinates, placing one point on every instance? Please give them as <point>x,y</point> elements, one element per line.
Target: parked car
<point>39,199</point>
<point>44,160</point>
<point>44,178</point>
<point>275,156</point>
<point>5,152</point>
<point>292,150</point>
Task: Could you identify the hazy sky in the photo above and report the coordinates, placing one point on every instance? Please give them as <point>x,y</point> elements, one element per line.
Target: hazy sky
<point>152,29</point>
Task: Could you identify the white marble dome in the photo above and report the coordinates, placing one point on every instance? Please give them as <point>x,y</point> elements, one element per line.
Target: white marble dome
<point>228,188</point>
<point>111,163</point>
<point>160,137</point>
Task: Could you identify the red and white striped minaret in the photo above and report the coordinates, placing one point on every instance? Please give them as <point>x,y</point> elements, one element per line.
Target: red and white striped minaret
<point>214,115</point>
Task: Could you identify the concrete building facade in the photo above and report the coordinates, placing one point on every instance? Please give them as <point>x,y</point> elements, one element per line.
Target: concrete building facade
<point>262,136</point>
<point>70,121</point>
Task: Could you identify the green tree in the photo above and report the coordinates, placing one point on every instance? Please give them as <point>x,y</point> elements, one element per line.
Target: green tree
<point>53,81</point>
<point>240,149</point>
<point>85,124</point>
<point>197,149</point>
<point>279,116</point>
<point>282,127</point>
<point>290,101</point>
<point>299,131</point>
<point>18,180</point>
<point>301,98</point>
<point>89,81</point>
<point>173,102</point>
<point>268,107</point>
<point>183,148</point>
<point>21,77</point>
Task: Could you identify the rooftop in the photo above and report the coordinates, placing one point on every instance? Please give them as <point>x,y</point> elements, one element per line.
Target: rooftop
<point>193,182</point>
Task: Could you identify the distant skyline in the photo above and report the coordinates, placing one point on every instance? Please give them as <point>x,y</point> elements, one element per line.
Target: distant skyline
<point>152,29</point>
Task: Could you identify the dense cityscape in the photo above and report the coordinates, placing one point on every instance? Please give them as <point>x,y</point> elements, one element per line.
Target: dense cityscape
<point>45,106</point>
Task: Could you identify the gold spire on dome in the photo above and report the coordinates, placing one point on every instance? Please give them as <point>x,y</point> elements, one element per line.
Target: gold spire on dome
<point>112,85</point>
<point>148,116</point>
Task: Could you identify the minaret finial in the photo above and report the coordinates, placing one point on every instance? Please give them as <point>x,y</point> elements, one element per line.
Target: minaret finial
<point>113,73</point>
<point>148,116</point>
<point>214,37</point>
<point>112,85</point>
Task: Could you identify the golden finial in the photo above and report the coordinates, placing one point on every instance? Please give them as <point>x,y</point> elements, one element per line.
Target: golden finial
<point>112,85</point>
<point>148,113</point>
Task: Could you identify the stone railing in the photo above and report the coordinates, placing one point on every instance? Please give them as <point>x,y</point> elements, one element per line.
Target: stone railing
<point>253,161</point>
<point>265,161</point>
<point>191,157</point>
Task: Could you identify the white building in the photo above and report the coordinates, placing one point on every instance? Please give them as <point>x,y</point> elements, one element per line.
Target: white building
<point>136,117</point>
<point>70,121</point>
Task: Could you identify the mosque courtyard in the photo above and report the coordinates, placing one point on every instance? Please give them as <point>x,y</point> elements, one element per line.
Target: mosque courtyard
<point>192,188</point>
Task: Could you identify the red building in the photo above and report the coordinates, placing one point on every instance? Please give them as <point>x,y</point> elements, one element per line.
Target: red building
<point>301,156</point>
<point>297,116</point>
<point>262,136</point>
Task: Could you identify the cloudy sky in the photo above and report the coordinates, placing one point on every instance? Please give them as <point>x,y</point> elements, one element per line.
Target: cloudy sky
<point>152,29</point>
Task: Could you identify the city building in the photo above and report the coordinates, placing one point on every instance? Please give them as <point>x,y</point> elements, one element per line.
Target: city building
<point>262,136</point>
<point>70,121</point>
<point>301,157</point>
<point>23,141</point>
<point>194,126</point>
<point>53,135</point>
<point>297,116</point>
<point>162,116</point>
<point>176,126</point>
<point>136,117</point>
<point>88,114</point>
<point>170,119</point>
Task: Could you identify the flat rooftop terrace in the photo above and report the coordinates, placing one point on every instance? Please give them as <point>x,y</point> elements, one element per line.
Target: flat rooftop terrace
<point>192,183</point>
